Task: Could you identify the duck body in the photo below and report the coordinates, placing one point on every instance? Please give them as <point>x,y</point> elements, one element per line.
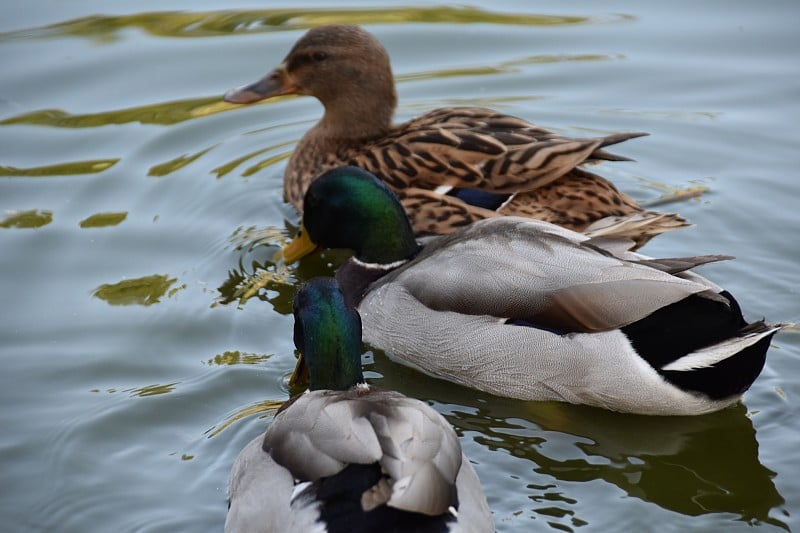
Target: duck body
<point>525,309</point>
<point>351,458</point>
<point>451,166</point>
<point>562,327</point>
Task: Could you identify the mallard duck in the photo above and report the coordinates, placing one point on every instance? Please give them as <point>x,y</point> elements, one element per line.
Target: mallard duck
<point>526,309</point>
<point>345,456</point>
<point>451,166</point>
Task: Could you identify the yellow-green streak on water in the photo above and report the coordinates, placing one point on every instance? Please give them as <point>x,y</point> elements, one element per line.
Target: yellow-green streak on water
<point>105,29</point>
<point>146,290</point>
<point>164,114</point>
<point>101,220</point>
<point>61,169</point>
<point>33,218</point>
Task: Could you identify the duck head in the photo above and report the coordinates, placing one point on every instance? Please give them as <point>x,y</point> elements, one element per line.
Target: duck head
<point>348,207</point>
<point>344,67</point>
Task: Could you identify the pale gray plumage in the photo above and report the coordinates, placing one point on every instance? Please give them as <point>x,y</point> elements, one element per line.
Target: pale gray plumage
<point>444,313</point>
<point>514,267</point>
<point>482,352</point>
<point>525,309</point>
<point>260,496</point>
<point>323,431</point>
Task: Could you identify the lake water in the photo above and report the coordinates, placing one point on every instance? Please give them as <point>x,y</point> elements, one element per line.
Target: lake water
<point>133,205</point>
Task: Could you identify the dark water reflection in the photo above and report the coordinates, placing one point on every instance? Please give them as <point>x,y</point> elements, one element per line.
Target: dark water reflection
<point>690,465</point>
<point>145,336</point>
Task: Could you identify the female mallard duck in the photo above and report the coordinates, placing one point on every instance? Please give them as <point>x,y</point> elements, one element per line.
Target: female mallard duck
<point>526,309</point>
<point>346,456</point>
<point>469,152</point>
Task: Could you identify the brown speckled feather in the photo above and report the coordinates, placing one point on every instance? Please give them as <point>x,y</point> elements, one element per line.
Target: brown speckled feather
<point>348,70</point>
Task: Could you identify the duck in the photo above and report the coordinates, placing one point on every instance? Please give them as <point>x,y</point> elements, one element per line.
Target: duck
<point>347,456</point>
<point>525,309</point>
<point>451,166</point>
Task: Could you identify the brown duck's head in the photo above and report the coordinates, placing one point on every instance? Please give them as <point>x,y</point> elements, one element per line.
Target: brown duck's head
<point>340,65</point>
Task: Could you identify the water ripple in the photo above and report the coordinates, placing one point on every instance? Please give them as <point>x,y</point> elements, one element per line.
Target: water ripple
<point>106,29</point>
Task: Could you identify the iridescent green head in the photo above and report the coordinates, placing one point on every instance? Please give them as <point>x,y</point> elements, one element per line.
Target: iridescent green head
<point>327,333</point>
<point>350,208</point>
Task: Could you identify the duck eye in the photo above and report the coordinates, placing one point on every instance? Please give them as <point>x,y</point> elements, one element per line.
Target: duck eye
<point>319,56</point>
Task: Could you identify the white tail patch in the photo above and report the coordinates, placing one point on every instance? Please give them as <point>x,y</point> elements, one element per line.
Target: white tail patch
<point>706,357</point>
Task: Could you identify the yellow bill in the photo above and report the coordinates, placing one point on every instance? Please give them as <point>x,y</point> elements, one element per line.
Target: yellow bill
<point>300,376</point>
<point>301,246</point>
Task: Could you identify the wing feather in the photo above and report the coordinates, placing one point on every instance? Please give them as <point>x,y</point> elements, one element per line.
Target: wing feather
<point>519,268</point>
<point>417,449</point>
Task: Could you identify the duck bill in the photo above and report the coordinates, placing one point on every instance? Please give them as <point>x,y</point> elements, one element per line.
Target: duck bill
<point>276,83</point>
<point>301,246</point>
<point>300,376</point>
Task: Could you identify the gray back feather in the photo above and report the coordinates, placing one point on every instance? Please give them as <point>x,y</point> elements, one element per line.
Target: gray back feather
<point>526,269</point>
<point>416,448</point>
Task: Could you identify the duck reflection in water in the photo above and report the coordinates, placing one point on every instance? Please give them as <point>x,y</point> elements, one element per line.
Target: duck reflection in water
<point>694,466</point>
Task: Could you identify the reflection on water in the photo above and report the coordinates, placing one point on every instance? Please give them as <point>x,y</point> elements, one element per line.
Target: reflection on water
<point>275,282</point>
<point>270,280</point>
<point>223,23</point>
<point>147,290</point>
<point>164,113</point>
<point>691,465</point>
<point>162,169</point>
<point>238,358</point>
<point>503,67</point>
<point>694,466</point>
<point>102,220</point>
<point>259,279</point>
<point>222,170</point>
<point>266,408</point>
<point>138,95</point>
<point>61,169</point>
<point>34,218</point>
<point>152,390</point>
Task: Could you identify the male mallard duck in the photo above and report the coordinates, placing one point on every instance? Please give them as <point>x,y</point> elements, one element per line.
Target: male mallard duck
<point>531,172</point>
<point>345,456</point>
<point>526,309</point>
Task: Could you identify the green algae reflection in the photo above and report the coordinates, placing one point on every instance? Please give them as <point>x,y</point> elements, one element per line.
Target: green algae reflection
<point>164,114</point>
<point>236,357</point>
<point>33,218</point>
<point>147,290</point>
<point>106,29</point>
<point>61,169</point>
<point>102,220</point>
<point>262,409</point>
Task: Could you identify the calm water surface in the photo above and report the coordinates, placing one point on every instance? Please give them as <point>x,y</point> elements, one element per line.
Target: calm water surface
<point>144,335</point>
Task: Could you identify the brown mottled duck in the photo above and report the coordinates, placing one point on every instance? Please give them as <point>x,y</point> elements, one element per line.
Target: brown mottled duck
<point>451,166</point>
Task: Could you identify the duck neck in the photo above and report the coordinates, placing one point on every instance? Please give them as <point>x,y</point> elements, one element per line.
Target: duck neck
<point>356,118</point>
<point>355,277</point>
<point>328,335</point>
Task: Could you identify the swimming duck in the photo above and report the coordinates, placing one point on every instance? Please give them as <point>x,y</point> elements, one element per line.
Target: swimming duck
<point>345,456</point>
<point>451,166</point>
<point>525,309</point>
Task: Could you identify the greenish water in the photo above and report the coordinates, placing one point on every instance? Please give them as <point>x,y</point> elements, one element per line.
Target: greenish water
<point>138,357</point>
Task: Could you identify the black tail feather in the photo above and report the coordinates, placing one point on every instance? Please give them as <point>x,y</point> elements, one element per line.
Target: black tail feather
<point>694,323</point>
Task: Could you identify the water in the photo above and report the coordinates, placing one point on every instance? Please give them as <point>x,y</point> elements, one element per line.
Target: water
<point>133,373</point>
